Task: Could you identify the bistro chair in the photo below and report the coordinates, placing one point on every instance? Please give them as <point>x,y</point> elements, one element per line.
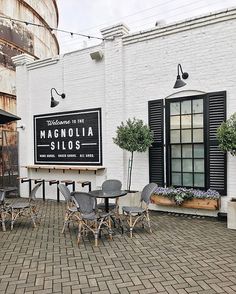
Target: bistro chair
<point>140,213</point>
<point>90,219</point>
<point>111,186</point>
<point>3,209</point>
<point>25,208</point>
<point>71,210</point>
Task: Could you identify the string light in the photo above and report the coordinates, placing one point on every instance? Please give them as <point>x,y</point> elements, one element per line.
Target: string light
<point>72,34</point>
<point>53,29</point>
<point>170,13</point>
<point>161,5</point>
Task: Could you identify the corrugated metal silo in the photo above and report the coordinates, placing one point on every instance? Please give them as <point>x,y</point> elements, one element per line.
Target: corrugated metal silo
<point>17,38</point>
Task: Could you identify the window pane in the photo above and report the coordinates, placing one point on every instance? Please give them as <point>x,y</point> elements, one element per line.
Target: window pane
<point>175,122</point>
<point>187,165</point>
<point>199,165</point>
<point>176,165</point>
<point>174,108</point>
<point>175,136</point>
<point>176,151</point>
<point>198,121</point>
<point>197,105</point>
<point>186,107</point>
<point>186,136</point>
<point>186,121</point>
<point>187,179</point>
<point>199,151</point>
<point>199,180</point>
<point>198,135</point>
<point>176,179</point>
<point>187,150</point>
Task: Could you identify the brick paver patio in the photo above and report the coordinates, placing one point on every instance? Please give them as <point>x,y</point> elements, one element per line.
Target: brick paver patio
<point>183,255</point>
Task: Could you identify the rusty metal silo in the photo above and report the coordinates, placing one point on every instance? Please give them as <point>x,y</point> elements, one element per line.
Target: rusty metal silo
<point>17,38</point>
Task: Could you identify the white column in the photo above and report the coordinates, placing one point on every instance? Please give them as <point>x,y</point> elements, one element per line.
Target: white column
<point>114,99</point>
<point>23,104</point>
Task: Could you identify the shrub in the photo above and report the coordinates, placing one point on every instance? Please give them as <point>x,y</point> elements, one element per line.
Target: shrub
<point>226,135</point>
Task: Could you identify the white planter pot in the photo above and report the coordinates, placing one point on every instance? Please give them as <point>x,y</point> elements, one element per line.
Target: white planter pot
<point>231,215</point>
<point>131,199</point>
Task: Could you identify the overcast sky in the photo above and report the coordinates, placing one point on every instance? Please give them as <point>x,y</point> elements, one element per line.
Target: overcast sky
<point>89,16</point>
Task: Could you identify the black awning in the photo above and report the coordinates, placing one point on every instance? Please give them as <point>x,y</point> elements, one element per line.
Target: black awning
<point>6,117</point>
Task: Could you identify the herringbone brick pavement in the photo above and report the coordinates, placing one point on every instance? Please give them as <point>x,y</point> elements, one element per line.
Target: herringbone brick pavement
<point>183,255</point>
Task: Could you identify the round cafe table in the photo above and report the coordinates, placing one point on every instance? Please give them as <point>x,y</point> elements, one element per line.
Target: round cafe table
<point>106,195</point>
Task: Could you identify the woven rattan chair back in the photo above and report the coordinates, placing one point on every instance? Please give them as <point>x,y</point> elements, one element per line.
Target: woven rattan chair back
<point>32,196</point>
<point>2,197</point>
<point>65,192</point>
<point>3,209</point>
<point>111,185</point>
<point>147,192</point>
<point>85,202</point>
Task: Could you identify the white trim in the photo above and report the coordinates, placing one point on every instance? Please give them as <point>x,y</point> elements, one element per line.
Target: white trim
<point>42,63</point>
<point>185,25</point>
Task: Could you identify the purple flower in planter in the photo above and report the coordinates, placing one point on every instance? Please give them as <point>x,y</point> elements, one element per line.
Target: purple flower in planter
<point>179,195</point>
<point>210,194</point>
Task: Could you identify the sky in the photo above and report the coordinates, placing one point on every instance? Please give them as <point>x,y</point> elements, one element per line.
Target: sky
<point>90,16</point>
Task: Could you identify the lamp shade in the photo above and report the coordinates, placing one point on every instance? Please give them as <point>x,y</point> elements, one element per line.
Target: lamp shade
<point>179,83</point>
<point>54,102</point>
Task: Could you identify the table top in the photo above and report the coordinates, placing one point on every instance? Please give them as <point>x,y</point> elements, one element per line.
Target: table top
<point>103,194</point>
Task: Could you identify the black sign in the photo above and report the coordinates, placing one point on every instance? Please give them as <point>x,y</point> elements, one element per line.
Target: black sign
<point>72,138</point>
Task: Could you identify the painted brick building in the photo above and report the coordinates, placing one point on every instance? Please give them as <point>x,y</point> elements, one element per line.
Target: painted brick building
<point>132,75</point>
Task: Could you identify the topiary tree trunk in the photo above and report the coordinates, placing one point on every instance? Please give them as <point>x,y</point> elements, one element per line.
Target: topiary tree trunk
<point>133,136</point>
<point>130,168</point>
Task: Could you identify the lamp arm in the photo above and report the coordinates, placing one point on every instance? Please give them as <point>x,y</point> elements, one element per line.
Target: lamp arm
<point>62,95</point>
<point>184,74</point>
<point>180,67</point>
<point>55,91</point>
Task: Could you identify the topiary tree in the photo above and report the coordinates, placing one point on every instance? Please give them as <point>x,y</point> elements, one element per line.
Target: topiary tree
<point>226,135</point>
<point>133,136</point>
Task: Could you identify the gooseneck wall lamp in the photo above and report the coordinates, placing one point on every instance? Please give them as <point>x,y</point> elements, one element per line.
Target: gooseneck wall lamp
<point>179,82</point>
<point>54,102</point>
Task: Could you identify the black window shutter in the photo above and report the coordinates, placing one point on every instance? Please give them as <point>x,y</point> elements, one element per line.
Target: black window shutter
<point>156,152</point>
<point>216,172</point>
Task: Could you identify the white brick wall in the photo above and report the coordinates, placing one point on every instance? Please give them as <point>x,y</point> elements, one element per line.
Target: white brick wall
<point>135,69</point>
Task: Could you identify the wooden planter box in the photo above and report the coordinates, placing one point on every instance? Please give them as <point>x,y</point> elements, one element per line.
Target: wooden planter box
<point>196,203</point>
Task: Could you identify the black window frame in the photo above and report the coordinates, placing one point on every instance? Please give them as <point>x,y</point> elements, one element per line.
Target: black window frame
<point>168,144</point>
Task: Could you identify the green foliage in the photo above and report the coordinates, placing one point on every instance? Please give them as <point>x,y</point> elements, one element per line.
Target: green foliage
<point>226,135</point>
<point>133,136</point>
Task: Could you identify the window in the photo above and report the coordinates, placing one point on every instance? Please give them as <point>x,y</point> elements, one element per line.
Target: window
<point>185,142</point>
<point>192,156</point>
